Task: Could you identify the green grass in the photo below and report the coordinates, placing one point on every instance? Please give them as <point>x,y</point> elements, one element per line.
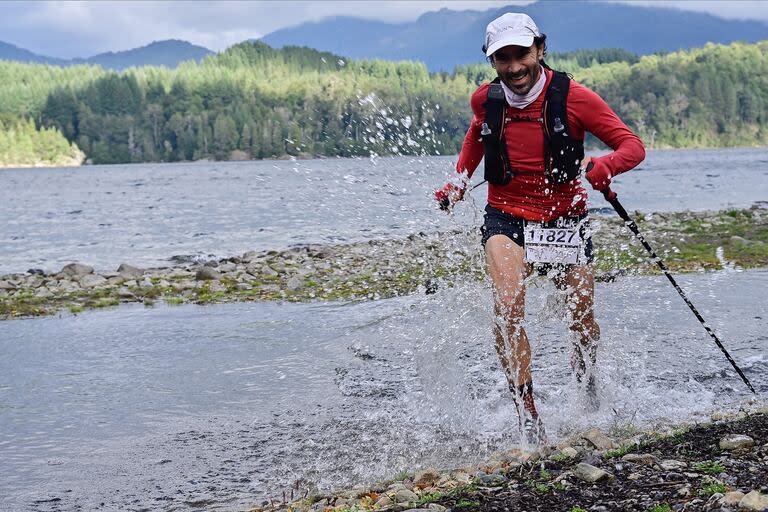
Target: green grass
<point>714,488</point>
<point>466,504</point>
<point>561,457</point>
<point>709,467</point>
<point>578,509</point>
<point>660,508</point>
<point>620,451</point>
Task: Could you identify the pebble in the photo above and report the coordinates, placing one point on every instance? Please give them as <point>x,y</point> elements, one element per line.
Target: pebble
<point>753,500</point>
<point>590,473</point>
<point>569,451</point>
<point>491,480</point>
<point>645,459</point>
<point>672,465</point>
<point>736,442</point>
<point>382,502</point>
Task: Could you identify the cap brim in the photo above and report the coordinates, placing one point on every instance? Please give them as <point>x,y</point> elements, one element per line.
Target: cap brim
<point>525,41</point>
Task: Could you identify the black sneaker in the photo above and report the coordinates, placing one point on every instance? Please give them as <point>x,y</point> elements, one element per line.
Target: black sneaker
<point>533,430</point>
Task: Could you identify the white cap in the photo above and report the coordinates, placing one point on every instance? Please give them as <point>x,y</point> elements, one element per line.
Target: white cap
<point>511,28</point>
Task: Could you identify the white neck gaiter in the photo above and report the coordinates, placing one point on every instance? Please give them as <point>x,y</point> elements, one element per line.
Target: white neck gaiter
<point>517,101</point>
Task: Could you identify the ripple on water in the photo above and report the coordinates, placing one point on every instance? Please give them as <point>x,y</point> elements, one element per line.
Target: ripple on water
<point>223,406</point>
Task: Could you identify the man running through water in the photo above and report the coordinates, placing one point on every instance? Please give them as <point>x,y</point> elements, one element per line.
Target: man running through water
<point>529,124</point>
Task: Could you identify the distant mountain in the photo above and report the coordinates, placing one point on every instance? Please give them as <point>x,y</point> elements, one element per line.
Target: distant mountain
<point>159,53</point>
<point>11,52</point>
<point>445,38</point>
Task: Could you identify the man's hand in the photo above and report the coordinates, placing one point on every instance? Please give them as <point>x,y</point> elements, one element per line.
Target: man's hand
<point>449,195</point>
<point>598,175</point>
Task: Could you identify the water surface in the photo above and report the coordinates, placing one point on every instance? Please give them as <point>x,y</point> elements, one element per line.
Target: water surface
<point>144,214</point>
<point>221,407</point>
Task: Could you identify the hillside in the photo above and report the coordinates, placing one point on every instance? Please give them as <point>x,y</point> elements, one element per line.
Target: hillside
<point>445,38</point>
<point>158,53</point>
<point>253,101</point>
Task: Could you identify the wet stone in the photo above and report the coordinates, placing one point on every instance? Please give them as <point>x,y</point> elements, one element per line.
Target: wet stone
<point>590,473</point>
<point>736,442</point>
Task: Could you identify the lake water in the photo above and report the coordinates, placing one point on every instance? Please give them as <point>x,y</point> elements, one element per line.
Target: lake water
<point>145,214</point>
<point>221,407</point>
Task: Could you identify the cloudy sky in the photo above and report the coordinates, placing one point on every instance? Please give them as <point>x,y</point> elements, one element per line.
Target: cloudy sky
<point>81,29</point>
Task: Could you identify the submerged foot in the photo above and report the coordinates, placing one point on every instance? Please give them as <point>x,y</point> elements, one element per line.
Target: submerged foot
<point>591,397</point>
<point>534,433</point>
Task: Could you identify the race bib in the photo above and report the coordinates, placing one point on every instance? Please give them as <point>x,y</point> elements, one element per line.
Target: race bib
<point>562,243</point>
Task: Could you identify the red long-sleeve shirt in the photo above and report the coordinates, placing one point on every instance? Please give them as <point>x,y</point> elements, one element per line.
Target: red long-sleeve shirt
<point>527,195</point>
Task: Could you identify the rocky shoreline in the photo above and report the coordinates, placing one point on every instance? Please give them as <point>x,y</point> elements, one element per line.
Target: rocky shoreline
<point>687,241</point>
<point>721,465</point>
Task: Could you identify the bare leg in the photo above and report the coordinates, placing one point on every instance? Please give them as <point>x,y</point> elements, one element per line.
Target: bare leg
<point>579,286</point>
<point>508,270</point>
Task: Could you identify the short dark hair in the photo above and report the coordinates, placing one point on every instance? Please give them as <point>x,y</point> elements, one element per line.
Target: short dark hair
<point>540,41</point>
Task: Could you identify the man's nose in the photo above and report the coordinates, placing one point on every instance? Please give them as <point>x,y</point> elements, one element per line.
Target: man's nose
<point>513,66</point>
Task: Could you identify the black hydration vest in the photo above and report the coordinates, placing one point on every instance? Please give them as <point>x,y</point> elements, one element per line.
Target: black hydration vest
<point>562,152</point>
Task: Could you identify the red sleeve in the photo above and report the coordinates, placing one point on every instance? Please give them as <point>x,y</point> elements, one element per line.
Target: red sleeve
<point>472,149</point>
<point>594,115</point>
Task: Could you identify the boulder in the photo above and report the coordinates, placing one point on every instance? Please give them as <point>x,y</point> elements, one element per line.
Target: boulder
<point>207,274</point>
<point>405,496</point>
<point>294,283</point>
<point>598,439</point>
<point>754,501</point>
<point>731,499</point>
<point>227,267</point>
<point>590,473</point>
<point>736,442</point>
<point>128,272</point>
<point>249,256</point>
<point>92,281</point>
<point>76,270</point>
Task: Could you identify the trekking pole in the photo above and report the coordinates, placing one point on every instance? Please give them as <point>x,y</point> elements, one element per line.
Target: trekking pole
<point>612,198</point>
<point>473,188</point>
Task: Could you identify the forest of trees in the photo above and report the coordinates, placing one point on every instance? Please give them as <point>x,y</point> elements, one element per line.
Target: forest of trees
<point>253,101</point>
<point>22,144</point>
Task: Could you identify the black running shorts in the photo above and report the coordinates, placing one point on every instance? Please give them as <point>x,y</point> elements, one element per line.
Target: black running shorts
<point>498,222</point>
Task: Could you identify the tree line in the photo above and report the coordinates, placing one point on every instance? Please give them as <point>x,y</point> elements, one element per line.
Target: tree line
<point>253,101</point>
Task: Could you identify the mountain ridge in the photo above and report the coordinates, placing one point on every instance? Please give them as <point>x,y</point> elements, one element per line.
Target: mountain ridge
<point>167,52</point>
<point>639,29</point>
